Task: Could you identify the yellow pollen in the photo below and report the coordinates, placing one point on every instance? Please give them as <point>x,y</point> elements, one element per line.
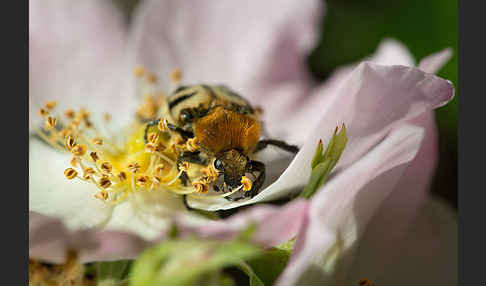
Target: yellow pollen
<point>201,187</point>
<point>247,183</point>
<point>163,125</point>
<point>106,167</point>
<point>94,156</point>
<point>176,75</point>
<point>84,114</point>
<point>70,173</point>
<point>50,105</point>
<point>79,150</point>
<point>51,122</point>
<point>138,71</point>
<point>104,182</point>
<point>134,167</point>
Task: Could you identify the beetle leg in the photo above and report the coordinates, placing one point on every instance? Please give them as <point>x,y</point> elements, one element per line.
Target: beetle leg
<point>262,144</point>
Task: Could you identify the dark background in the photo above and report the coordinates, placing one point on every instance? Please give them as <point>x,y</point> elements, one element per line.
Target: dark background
<point>352,29</point>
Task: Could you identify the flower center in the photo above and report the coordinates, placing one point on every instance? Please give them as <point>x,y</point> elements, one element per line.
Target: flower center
<point>146,159</point>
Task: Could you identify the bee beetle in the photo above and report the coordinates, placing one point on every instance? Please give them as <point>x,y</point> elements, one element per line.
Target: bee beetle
<point>224,132</point>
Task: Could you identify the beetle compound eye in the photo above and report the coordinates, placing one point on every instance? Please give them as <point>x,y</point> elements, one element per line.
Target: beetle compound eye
<point>218,164</point>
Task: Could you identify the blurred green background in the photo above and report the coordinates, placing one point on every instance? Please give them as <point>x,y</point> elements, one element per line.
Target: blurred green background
<point>352,29</point>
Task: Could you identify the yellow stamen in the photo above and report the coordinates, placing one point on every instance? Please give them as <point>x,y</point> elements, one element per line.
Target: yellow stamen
<point>106,167</point>
<point>192,144</point>
<point>104,182</point>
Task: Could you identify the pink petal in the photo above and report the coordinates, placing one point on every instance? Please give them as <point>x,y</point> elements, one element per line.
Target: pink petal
<point>373,100</point>
<point>247,45</point>
<point>49,240</point>
<point>434,63</point>
<point>75,51</point>
<point>275,225</point>
<point>295,124</point>
<point>341,210</point>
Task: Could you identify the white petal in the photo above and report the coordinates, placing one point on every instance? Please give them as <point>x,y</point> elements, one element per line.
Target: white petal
<point>51,194</point>
<point>75,53</point>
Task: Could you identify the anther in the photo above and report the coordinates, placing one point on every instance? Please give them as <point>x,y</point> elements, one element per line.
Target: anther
<point>159,168</point>
<point>153,138</point>
<point>50,105</point>
<point>134,167</point>
<point>156,181</point>
<point>247,183</point>
<point>107,117</point>
<point>163,125</point>
<point>74,162</point>
<point>97,141</point>
<point>142,180</point>
<point>70,173</point>
<point>51,122</point>
<point>159,147</point>
<point>70,142</point>
<point>176,75</point>
<point>104,182</point>
<point>94,156</point>
<point>184,166</point>
<point>151,78</point>
<point>43,112</point>
<point>150,147</point>
<point>79,150</point>
<point>88,172</point>
<point>69,113</point>
<point>192,144</point>
<point>122,176</point>
<point>138,71</point>
<point>106,167</point>
<point>201,187</point>
<point>103,195</point>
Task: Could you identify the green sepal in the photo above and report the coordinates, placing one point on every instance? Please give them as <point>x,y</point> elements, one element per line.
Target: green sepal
<point>323,163</point>
<point>184,262</point>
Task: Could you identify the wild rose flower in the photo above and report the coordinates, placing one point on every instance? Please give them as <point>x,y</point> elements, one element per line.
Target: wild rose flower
<point>74,64</point>
<point>385,104</point>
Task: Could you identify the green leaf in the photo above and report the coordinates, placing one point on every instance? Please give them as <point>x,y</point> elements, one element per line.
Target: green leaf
<point>322,164</point>
<point>184,262</point>
<point>113,273</point>
<point>268,266</point>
